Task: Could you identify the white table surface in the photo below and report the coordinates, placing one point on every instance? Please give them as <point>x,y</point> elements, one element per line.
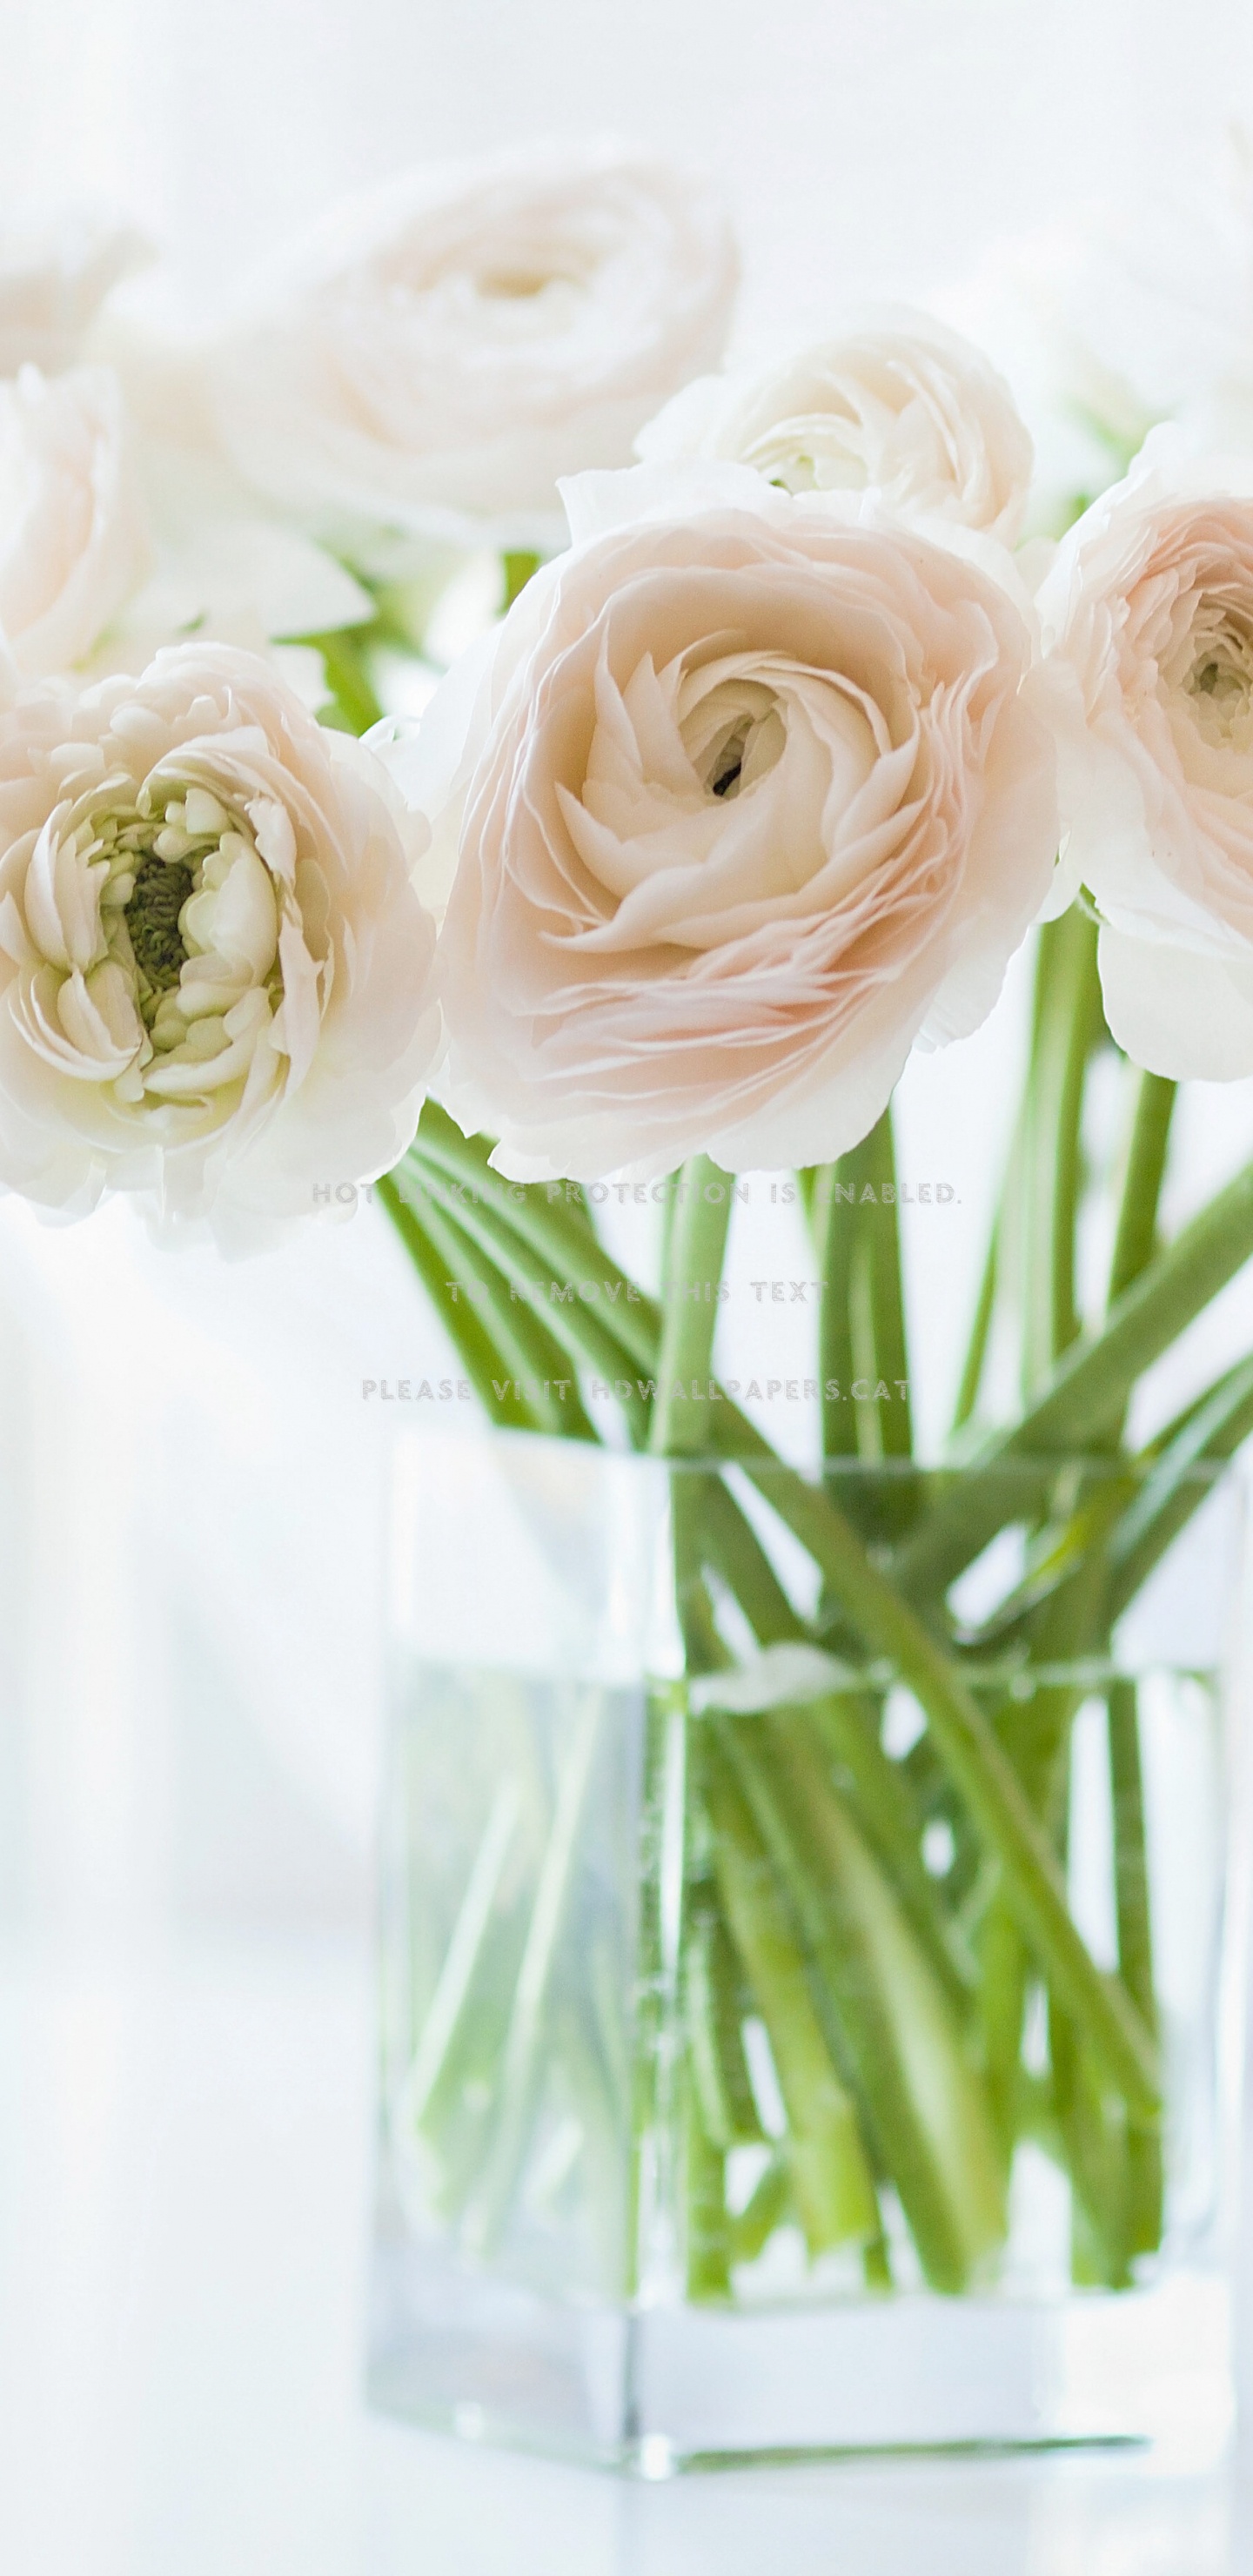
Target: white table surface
<point>184,2183</point>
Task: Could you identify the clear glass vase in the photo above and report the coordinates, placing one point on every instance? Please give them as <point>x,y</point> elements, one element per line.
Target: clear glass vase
<point>741,2095</point>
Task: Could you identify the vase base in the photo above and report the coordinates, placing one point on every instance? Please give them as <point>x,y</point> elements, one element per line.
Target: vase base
<point>667,2391</point>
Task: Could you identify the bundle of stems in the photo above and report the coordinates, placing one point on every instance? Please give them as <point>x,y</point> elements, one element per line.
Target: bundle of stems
<point>891,1925</point>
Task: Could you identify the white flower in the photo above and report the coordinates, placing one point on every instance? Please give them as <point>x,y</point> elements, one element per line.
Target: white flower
<point>898,405</point>
<point>439,352</point>
<point>218,569</point>
<point>74,537</point>
<point>1148,614</point>
<point>213,966</point>
<point>747,800</point>
<point>53,281</point>
<point>239,581</point>
<point>107,552</point>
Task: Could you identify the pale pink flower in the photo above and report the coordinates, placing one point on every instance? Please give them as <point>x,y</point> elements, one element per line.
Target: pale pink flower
<point>747,801</point>
<point>1148,616</point>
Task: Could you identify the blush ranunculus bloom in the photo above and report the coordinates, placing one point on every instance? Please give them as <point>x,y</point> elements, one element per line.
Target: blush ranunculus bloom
<point>443,349</point>
<point>1147,615</point>
<point>746,801</point>
<point>74,536</point>
<point>214,970</point>
<point>897,404</point>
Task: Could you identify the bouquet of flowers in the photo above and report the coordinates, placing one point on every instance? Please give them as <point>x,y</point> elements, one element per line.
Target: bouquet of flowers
<point>769,745</point>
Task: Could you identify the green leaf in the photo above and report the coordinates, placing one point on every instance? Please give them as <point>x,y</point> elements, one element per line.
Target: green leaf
<point>1087,1391</point>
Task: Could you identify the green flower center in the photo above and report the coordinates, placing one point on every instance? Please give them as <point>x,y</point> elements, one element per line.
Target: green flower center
<point>1212,680</point>
<point>162,887</point>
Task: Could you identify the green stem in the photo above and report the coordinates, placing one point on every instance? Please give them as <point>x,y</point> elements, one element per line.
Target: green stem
<point>1092,1383</point>
<point>879,1798</point>
<point>520,2066</point>
<point>1002,2004</point>
<point>1067,1018</point>
<point>1165,1500</point>
<point>478,1354</point>
<point>980,1333</point>
<point>708,2245</point>
<point>847,1721</point>
<point>583,1333</point>
<point>1135,1953</point>
<point>564,1219</point>
<point>1088,1389</point>
<point>833,1215</point>
<point>922,2099</point>
<point>720,2074</point>
<point>442,1162</point>
<point>880,1349</point>
<point>1128,1518</point>
<point>1093,2138</point>
<point>830,2178</point>
<point>1135,1237</point>
<point>861,1331</point>
<point>696,1251</point>
<point>766,2210</point>
<point>461,1960</point>
<point>519,1337</point>
<point>704,1649</point>
<point>738,1557</point>
<point>985,1777</point>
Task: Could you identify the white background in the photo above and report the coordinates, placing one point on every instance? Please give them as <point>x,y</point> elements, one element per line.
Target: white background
<point>191,1493</point>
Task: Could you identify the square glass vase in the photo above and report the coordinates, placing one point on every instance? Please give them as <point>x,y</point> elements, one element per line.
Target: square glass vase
<point>803,2034</point>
